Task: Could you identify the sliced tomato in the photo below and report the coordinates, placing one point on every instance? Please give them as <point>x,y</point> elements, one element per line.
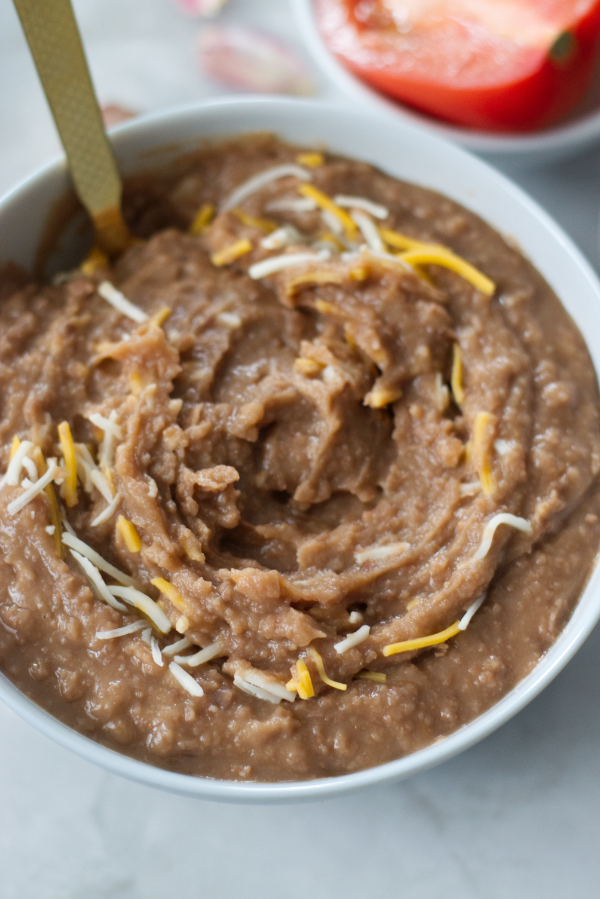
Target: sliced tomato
<point>497,65</point>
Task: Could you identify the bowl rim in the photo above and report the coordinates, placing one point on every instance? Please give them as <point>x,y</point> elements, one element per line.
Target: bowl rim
<point>244,110</point>
<point>554,142</point>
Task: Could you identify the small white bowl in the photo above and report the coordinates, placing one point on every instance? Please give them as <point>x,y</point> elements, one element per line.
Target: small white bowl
<point>405,152</point>
<point>574,135</point>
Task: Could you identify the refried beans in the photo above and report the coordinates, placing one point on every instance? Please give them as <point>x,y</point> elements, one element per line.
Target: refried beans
<point>300,483</point>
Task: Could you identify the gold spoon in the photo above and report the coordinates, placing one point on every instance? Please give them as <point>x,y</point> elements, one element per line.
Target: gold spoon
<point>55,44</point>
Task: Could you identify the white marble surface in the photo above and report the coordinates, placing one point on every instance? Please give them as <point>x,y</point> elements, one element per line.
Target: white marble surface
<point>517,816</point>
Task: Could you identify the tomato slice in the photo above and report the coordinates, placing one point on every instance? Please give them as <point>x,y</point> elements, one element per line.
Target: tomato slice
<point>497,65</point>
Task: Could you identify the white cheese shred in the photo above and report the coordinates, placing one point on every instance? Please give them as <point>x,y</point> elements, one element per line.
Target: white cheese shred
<point>253,690</point>
<point>120,302</point>
<point>21,501</point>
<point>108,512</point>
<point>97,581</point>
<point>176,647</point>
<point>186,680</point>
<point>257,182</point>
<point>15,466</point>
<point>31,469</point>
<point>107,424</point>
<point>146,605</point>
<point>278,690</point>
<point>121,631</point>
<point>353,640</point>
<point>156,653</point>
<point>102,485</point>
<point>74,542</point>
<point>373,553</point>
<point>292,204</point>
<point>281,237</point>
<point>287,260</point>
<point>521,524</point>
<point>466,619</point>
<point>368,230</point>
<point>374,209</point>
<point>199,658</point>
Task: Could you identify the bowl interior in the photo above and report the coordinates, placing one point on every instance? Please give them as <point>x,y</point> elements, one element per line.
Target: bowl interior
<point>406,152</point>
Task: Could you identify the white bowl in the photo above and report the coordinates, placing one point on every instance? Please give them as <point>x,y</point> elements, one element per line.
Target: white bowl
<point>406,152</point>
<point>578,133</point>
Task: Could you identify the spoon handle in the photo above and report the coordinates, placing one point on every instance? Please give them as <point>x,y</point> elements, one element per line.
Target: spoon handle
<point>55,44</point>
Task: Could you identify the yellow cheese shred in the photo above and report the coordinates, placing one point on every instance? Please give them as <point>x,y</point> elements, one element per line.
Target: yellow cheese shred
<point>301,681</point>
<point>263,224</point>
<point>314,277</point>
<point>308,367</point>
<point>377,676</point>
<point>325,202</point>
<point>170,592</point>
<point>231,253</point>
<point>68,451</point>
<point>94,260</point>
<point>381,397</point>
<point>38,457</point>
<point>160,317</point>
<point>130,536</point>
<point>421,642</point>
<point>456,377</point>
<point>317,659</point>
<point>202,219</point>
<point>400,241</point>
<point>16,443</point>
<point>312,160</point>
<point>479,452</point>
<point>433,255</point>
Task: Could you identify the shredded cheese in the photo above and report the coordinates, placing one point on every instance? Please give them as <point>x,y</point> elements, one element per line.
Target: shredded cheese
<point>422,642</point>
<point>95,259</point>
<point>456,377</point>
<point>281,237</point>
<point>213,651</point>
<point>317,659</point>
<point>16,443</point>
<point>75,543</point>
<point>480,450</point>
<point>400,241</point>
<point>287,260</point>
<point>278,690</point>
<point>514,521</point>
<point>465,620</point>
<point>231,252</point>
<point>374,209</point>
<point>252,222</point>
<point>433,255</point>
<point>326,203</point>
<point>308,367</point>
<point>353,640</point>
<point>186,680</point>
<point>257,182</point>
<point>97,581</point>
<point>368,230</point>
<point>155,650</point>
<point>301,681</point>
<point>101,483</point>
<point>128,532</point>
<point>253,690</point>
<point>157,319</point>
<point>15,466</point>
<point>202,219</point>
<point>381,397</point>
<point>120,302</point>
<point>173,648</point>
<point>229,319</point>
<point>314,276</point>
<point>17,504</point>
<point>146,605</point>
<point>377,676</point>
<point>121,631</point>
<point>291,204</point>
<point>108,512</point>
<point>68,451</point>
<point>373,553</point>
<point>170,592</point>
<point>312,160</point>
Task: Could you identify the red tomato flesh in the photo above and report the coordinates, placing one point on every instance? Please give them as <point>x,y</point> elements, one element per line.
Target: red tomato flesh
<point>496,65</point>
